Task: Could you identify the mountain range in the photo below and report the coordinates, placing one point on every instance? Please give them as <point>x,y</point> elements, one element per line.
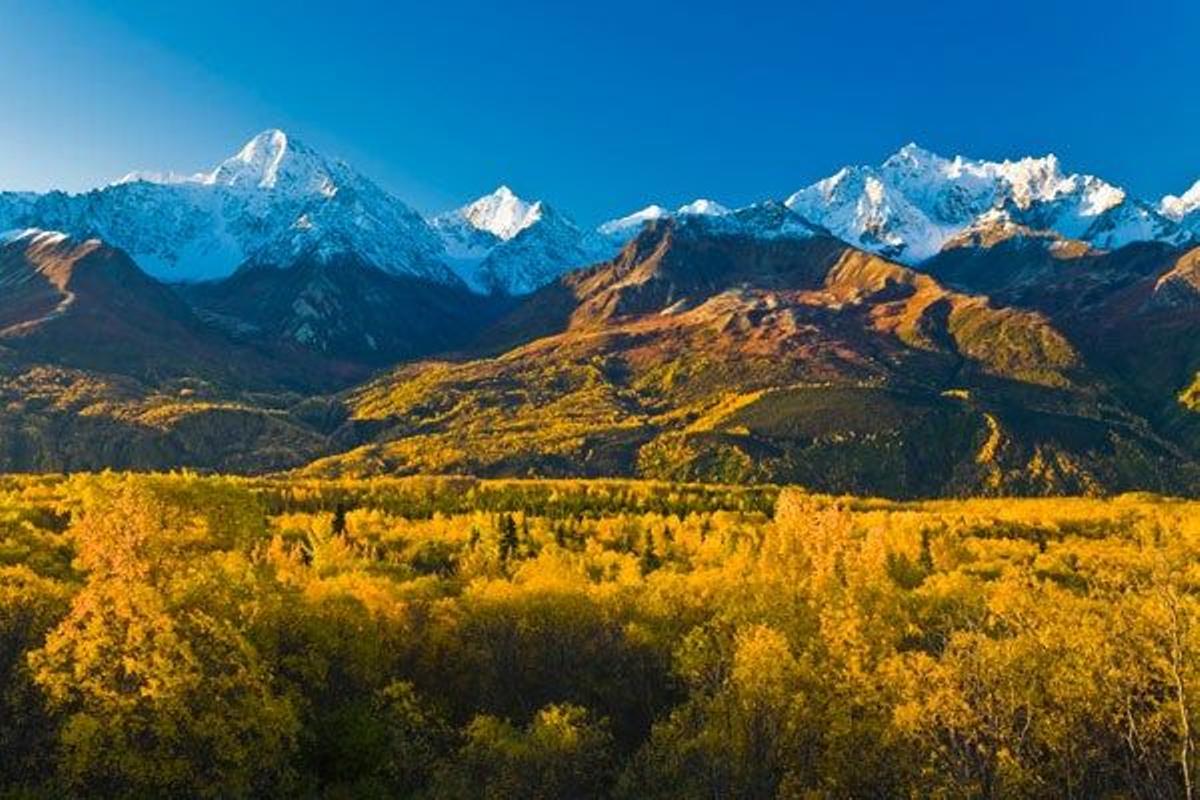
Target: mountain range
<point>277,200</point>
<point>929,326</point>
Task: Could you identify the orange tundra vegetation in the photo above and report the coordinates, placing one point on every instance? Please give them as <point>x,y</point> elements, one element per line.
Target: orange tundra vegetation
<point>180,636</point>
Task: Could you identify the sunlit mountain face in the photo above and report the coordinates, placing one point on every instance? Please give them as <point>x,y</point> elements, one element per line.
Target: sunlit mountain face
<point>1035,323</point>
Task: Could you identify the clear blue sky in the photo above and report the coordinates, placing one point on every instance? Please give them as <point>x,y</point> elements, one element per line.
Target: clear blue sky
<point>598,107</point>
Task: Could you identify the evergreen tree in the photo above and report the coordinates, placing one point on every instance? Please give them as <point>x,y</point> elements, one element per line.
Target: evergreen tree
<point>649,560</point>
<point>509,541</point>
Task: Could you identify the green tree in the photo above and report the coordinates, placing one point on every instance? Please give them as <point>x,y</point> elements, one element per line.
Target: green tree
<point>562,753</point>
<point>649,561</point>
<point>747,732</point>
<point>509,541</point>
<point>30,607</point>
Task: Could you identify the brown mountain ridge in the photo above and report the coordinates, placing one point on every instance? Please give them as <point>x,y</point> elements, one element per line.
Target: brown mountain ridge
<point>699,352</point>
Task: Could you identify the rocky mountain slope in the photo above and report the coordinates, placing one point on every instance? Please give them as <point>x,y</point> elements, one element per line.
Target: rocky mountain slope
<point>704,355</point>
<point>334,304</point>
<point>1134,312</point>
<point>84,304</point>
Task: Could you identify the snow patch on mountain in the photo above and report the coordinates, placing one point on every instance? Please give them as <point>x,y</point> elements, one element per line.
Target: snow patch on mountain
<point>703,207</point>
<point>767,220</point>
<point>32,236</point>
<point>1183,209</point>
<point>628,226</point>
<point>501,213</point>
<point>154,176</point>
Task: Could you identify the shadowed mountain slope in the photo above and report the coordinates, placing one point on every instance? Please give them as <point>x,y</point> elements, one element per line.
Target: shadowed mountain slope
<point>102,366</point>
<point>1133,312</point>
<point>343,309</point>
<point>86,305</point>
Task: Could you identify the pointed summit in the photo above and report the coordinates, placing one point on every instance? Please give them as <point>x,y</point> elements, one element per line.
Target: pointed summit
<point>270,160</point>
<point>913,153</point>
<point>502,213</point>
<point>257,163</point>
<point>500,243</point>
<point>275,200</point>
<point>273,160</point>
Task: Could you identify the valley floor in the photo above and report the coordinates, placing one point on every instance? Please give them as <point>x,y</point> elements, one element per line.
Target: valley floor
<point>177,635</point>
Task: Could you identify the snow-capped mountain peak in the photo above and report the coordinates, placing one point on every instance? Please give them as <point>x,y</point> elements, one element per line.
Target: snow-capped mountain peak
<point>1177,207</point>
<point>631,223</point>
<point>703,207</point>
<point>916,201</point>
<point>276,201</point>
<point>270,160</point>
<point>502,213</point>
<point>1030,179</point>
<point>268,203</point>
<point>915,158</point>
<point>260,162</point>
<point>501,243</point>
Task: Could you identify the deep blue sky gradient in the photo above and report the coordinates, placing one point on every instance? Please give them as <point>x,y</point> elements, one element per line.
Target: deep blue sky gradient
<point>598,107</point>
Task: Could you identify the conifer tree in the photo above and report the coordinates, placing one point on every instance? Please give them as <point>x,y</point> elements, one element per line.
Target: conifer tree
<point>509,542</point>
<point>649,560</point>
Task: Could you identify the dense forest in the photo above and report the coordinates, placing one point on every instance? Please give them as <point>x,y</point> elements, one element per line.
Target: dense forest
<point>186,636</point>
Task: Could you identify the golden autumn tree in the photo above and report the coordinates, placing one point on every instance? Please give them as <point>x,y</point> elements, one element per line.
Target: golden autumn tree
<point>156,697</point>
